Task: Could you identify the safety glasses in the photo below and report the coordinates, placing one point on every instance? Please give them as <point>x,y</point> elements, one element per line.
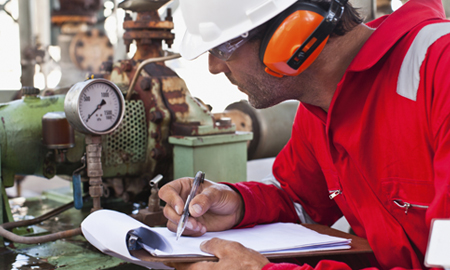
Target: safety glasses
<point>226,49</point>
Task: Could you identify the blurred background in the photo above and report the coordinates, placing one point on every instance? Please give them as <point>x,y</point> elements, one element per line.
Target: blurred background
<point>30,47</point>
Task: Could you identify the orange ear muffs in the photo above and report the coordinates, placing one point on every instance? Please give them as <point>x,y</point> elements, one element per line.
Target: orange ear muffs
<point>295,39</point>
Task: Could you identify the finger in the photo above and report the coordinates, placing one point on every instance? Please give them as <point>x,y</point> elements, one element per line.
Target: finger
<point>219,247</point>
<point>172,193</point>
<point>172,218</point>
<point>193,227</point>
<point>171,226</point>
<point>230,252</point>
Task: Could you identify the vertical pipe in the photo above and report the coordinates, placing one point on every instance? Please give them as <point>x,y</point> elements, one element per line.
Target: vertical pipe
<point>94,169</point>
<point>42,14</point>
<point>26,42</point>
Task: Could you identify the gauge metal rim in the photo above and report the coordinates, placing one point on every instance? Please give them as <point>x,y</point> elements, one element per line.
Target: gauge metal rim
<point>72,101</point>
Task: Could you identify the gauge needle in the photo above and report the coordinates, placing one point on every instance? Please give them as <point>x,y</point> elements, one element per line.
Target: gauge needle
<point>99,106</point>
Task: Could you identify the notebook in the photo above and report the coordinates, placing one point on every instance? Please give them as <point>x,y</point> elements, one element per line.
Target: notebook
<point>119,235</point>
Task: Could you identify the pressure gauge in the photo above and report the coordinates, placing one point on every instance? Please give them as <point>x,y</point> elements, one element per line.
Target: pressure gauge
<point>94,106</point>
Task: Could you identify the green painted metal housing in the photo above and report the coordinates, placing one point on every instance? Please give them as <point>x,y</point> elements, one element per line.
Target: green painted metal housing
<point>21,135</point>
<point>223,157</point>
<point>22,150</point>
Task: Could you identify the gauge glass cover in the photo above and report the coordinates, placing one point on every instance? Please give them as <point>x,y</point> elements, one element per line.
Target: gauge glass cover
<point>99,107</point>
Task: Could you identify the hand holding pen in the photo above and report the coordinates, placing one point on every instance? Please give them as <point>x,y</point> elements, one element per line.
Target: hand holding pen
<point>199,179</point>
<point>214,206</point>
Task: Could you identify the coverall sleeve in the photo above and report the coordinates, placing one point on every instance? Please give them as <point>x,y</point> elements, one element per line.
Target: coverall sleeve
<point>436,67</point>
<point>323,265</point>
<point>301,181</point>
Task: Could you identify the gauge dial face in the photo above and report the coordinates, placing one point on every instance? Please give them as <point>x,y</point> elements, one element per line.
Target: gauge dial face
<point>100,107</point>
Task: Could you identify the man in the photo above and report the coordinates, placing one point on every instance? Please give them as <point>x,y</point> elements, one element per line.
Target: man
<point>370,141</point>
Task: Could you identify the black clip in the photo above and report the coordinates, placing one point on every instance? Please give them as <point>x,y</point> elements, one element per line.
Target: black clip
<point>133,242</point>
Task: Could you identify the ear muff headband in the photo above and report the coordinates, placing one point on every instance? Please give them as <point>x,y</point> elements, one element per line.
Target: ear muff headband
<point>295,38</point>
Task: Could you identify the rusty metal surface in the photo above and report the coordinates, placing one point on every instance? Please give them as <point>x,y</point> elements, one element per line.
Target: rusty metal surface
<point>78,7</point>
<point>76,11</point>
<point>94,169</point>
<point>150,24</point>
<point>142,5</point>
<point>147,35</point>
<point>152,215</point>
<point>148,29</point>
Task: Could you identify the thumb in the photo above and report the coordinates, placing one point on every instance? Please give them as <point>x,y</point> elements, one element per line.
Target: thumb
<point>210,246</point>
<point>201,203</point>
<point>218,247</point>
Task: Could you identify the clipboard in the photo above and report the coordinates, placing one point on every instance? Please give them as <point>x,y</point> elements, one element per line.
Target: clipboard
<point>358,246</point>
<point>98,230</point>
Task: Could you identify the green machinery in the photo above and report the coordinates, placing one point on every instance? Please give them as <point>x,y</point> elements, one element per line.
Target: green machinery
<point>131,155</point>
<point>35,139</point>
<point>165,131</point>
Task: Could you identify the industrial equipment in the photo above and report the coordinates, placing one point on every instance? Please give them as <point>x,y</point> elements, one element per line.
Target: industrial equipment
<point>129,128</point>
<point>156,105</point>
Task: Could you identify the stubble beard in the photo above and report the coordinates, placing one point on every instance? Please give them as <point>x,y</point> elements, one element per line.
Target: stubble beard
<point>261,101</point>
<point>261,93</point>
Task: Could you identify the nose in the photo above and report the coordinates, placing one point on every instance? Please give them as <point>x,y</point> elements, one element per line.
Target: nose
<point>216,65</point>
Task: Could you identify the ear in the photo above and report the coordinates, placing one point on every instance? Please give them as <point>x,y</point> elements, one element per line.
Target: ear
<point>302,26</point>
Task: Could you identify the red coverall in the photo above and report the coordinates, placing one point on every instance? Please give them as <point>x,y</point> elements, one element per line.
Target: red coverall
<point>383,148</point>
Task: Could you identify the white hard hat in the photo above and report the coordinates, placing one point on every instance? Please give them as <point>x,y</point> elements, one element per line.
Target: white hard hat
<point>212,22</point>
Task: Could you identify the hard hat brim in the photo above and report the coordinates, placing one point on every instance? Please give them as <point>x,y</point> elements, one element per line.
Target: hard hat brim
<point>205,31</point>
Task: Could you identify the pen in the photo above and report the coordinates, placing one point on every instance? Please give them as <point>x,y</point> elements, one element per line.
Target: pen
<point>199,178</point>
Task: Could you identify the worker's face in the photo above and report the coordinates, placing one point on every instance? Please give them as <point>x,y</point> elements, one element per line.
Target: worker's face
<point>245,70</point>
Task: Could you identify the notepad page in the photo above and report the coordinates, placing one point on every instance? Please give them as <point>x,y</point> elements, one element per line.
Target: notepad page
<point>266,238</point>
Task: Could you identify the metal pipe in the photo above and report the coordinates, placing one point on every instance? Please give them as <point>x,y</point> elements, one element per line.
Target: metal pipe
<point>94,169</point>
<point>38,239</point>
<point>142,65</point>
<point>271,127</point>
<point>26,42</point>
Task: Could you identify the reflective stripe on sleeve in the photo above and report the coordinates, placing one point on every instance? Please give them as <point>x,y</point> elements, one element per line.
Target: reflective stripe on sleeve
<point>409,76</point>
